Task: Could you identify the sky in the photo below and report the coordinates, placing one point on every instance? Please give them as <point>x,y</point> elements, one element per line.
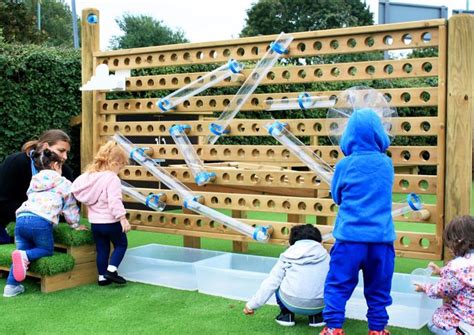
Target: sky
<point>202,20</point>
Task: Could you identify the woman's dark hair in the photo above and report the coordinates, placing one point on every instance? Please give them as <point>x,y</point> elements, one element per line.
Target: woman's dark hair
<point>51,137</point>
<point>305,232</point>
<point>459,235</point>
<point>44,159</point>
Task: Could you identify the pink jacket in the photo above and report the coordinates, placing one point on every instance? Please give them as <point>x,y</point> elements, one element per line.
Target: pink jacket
<point>102,194</point>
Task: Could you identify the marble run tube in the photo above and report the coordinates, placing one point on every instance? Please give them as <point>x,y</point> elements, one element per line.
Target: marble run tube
<point>201,176</point>
<point>152,200</point>
<point>197,86</point>
<point>258,233</point>
<point>157,171</point>
<point>277,48</point>
<point>297,148</point>
<point>303,101</point>
<point>414,204</point>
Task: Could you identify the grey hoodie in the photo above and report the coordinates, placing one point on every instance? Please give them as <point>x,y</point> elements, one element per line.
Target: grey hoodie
<point>299,275</point>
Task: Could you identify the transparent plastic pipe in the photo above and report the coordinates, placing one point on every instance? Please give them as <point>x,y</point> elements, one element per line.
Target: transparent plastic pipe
<point>259,233</point>
<point>151,166</point>
<point>421,276</point>
<point>277,48</point>
<point>303,101</point>
<point>201,176</point>
<point>197,86</point>
<point>152,200</point>
<point>297,148</point>
<point>413,204</point>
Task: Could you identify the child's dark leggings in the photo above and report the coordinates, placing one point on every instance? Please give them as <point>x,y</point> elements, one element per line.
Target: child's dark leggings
<point>376,260</point>
<point>104,233</point>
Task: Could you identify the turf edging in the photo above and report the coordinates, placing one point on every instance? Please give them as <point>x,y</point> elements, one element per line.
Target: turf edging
<point>46,266</point>
<point>63,234</point>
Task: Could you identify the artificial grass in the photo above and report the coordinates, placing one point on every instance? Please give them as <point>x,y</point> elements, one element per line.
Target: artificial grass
<point>64,234</point>
<point>46,266</point>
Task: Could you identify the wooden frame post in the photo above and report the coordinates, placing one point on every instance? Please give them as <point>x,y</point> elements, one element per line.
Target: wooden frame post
<point>460,107</point>
<point>89,45</point>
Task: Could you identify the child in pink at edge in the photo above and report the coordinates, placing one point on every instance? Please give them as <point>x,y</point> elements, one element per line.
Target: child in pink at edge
<point>456,285</point>
<point>99,188</point>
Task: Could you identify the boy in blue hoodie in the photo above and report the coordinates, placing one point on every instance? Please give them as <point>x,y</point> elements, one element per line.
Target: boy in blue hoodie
<point>364,230</point>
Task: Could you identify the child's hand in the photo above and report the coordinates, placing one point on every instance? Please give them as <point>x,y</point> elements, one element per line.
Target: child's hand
<point>419,288</point>
<point>82,227</point>
<point>248,311</point>
<point>435,268</point>
<point>125,225</point>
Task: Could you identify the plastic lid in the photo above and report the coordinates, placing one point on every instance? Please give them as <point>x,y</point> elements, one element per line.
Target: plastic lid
<point>276,127</point>
<point>278,48</point>
<point>304,100</point>
<point>414,201</point>
<point>235,66</point>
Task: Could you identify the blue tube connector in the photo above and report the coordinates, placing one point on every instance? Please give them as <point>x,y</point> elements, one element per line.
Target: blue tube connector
<point>304,100</point>
<point>92,19</point>
<point>276,127</point>
<point>178,129</point>
<point>204,177</point>
<point>414,201</point>
<point>235,66</point>
<point>217,129</point>
<point>261,233</point>
<point>278,48</point>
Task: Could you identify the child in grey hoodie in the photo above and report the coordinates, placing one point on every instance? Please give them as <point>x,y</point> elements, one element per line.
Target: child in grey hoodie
<point>297,279</point>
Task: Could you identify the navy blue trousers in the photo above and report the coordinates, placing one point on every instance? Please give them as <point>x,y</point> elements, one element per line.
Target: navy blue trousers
<point>376,260</point>
<point>104,234</point>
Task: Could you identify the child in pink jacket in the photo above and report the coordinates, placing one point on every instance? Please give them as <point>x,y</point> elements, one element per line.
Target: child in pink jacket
<point>99,188</point>
<point>456,285</point>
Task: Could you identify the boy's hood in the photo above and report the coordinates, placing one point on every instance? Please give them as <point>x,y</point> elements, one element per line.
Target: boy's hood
<point>88,187</point>
<point>364,133</point>
<point>304,251</point>
<point>45,180</point>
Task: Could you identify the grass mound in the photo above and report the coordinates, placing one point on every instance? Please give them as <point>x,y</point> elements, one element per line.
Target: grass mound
<point>46,266</point>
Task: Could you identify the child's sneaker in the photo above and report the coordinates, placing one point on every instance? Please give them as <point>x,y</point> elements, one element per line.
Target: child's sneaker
<point>379,332</point>
<point>20,264</point>
<point>332,331</point>
<point>285,319</point>
<point>316,320</point>
<point>13,290</point>
<point>113,276</point>
<point>104,282</point>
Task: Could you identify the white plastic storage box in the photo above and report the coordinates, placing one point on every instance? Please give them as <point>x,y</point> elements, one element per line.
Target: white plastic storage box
<point>409,309</point>
<point>233,276</point>
<point>164,265</point>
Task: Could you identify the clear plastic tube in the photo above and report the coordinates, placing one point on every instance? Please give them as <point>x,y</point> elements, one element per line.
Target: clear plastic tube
<point>259,233</point>
<point>201,176</point>
<point>303,101</point>
<point>413,204</point>
<point>297,148</point>
<point>148,163</point>
<point>421,276</point>
<point>197,86</point>
<point>277,48</point>
<point>152,200</point>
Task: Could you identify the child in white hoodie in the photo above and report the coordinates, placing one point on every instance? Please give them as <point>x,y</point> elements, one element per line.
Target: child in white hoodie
<point>99,188</point>
<point>49,195</point>
<point>297,279</point>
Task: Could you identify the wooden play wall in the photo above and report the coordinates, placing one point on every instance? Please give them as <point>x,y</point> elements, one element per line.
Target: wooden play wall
<point>265,178</point>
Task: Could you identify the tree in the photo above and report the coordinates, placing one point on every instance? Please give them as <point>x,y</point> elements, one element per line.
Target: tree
<point>19,22</point>
<point>274,16</point>
<point>143,31</point>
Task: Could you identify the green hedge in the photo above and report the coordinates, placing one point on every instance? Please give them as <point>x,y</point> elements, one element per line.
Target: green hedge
<point>46,266</point>
<point>39,90</point>
<point>63,234</point>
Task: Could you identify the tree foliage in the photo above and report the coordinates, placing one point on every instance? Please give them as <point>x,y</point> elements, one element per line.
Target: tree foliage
<point>19,22</point>
<point>274,16</point>
<point>144,31</point>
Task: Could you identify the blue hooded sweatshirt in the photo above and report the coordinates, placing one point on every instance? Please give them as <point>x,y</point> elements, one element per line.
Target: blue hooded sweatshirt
<point>363,180</point>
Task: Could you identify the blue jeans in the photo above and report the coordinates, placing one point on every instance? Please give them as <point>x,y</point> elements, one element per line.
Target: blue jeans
<point>376,260</point>
<point>439,331</point>
<point>103,234</point>
<point>34,235</point>
<point>287,308</point>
